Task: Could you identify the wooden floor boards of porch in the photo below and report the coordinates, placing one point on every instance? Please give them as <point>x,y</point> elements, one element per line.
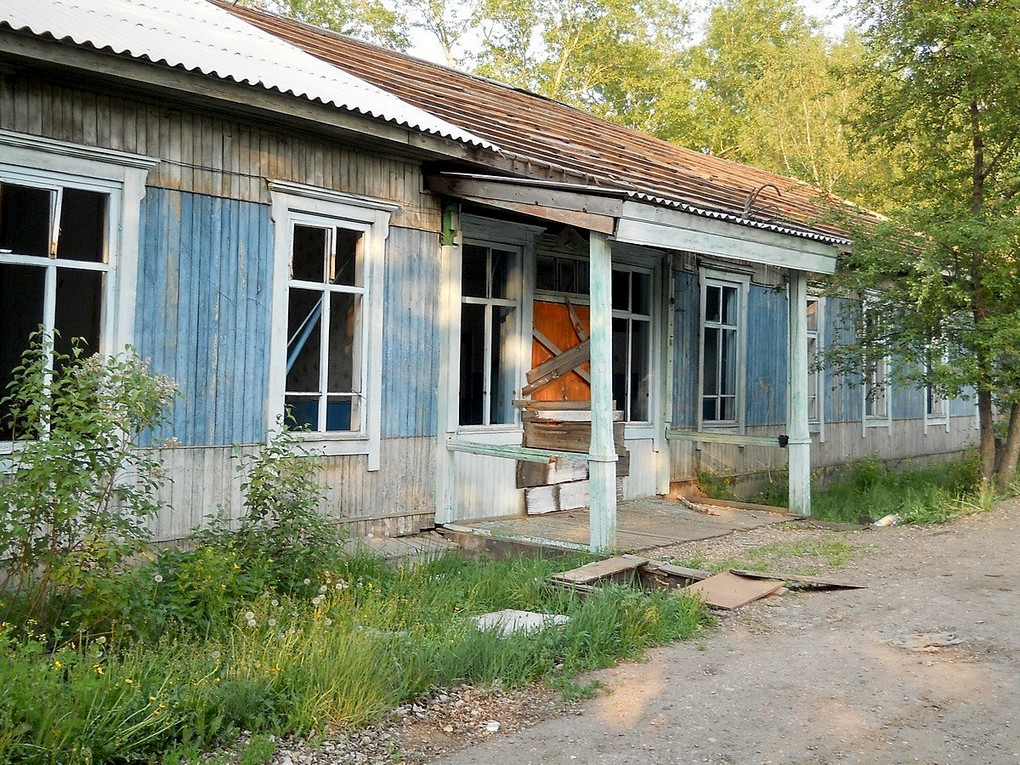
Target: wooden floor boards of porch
<point>641,524</point>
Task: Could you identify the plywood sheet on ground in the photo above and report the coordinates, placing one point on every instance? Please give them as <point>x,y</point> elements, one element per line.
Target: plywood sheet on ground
<point>728,590</point>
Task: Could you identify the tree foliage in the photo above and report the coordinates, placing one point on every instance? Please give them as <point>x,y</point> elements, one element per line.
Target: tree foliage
<point>943,89</point>
<point>369,20</point>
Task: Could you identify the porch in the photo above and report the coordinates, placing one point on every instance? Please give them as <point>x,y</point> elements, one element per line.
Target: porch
<point>641,524</point>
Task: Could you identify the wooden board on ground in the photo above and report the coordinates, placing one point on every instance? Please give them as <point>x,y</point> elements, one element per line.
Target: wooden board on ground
<point>598,570</point>
<point>793,580</point>
<point>728,591</point>
<point>737,505</point>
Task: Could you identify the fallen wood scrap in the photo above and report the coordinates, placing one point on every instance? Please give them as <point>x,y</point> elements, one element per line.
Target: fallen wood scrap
<point>620,569</point>
<point>666,575</point>
<point>698,507</point>
<point>794,581</point>
<point>629,570</point>
<point>733,504</point>
<point>728,591</point>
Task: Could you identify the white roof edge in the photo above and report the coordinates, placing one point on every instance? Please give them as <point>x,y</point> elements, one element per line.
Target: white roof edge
<point>197,36</point>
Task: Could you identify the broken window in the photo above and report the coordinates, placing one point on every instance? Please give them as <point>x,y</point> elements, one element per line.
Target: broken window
<point>325,326</point>
<point>720,355</point>
<point>488,332</point>
<point>54,266</point>
<point>632,342</point>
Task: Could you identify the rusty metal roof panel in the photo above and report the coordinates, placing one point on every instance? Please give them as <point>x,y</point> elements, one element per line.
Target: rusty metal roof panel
<point>200,37</point>
<point>569,143</point>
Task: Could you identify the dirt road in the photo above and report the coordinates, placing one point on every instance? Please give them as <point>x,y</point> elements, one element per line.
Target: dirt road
<point>921,667</point>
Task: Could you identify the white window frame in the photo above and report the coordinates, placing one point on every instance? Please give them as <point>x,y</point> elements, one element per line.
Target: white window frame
<point>518,238</point>
<point>297,203</point>
<point>817,425</point>
<point>53,165</point>
<point>510,359</point>
<point>877,377</point>
<point>716,278</point>
<point>928,393</point>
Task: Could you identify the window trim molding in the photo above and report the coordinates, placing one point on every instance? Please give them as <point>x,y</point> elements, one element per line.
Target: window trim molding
<point>818,426</point>
<point>742,280</point>
<point>46,162</point>
<point>929,420</point>
<point>373,217</point>
<point>496,234</point>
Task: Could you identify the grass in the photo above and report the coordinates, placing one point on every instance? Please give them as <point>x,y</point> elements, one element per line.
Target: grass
<point>866,489</point>
<point>811,555</point>
<point>361,639</point>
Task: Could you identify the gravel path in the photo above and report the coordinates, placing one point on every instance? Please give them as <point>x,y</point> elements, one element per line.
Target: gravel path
<point>923,666</point>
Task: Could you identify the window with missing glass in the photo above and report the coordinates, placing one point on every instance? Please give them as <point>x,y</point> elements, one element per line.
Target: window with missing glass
<point>54,271</point>
<point>490,312</point>
<point>325,326</point>
<point>815,376</point>
<point>722,317</point>
<point>327,317</point>
<point>632,342</point>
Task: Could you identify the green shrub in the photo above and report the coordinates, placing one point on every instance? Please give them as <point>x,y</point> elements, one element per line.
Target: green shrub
<point>78,494</point>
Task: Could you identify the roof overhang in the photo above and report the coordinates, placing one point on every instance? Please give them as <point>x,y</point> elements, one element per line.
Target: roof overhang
<point>642,219</point>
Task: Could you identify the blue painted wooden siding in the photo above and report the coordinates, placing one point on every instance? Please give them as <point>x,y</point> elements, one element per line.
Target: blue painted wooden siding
<point>686,347</point>
<point>411,334</point>
<point>203,312</point>
<point>767,355</point>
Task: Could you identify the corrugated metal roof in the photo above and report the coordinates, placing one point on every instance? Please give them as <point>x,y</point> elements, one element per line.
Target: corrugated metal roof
<point>201,37</point>
<point>571,143</point>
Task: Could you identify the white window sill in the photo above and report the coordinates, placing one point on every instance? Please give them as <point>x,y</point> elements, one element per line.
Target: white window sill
<point>335,444</point>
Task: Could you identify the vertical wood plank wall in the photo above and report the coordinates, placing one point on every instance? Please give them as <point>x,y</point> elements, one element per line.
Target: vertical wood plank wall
<point>204,286</point>
<point>766,391</point>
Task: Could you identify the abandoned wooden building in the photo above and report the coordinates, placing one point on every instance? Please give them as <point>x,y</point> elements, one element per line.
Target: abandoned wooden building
<point>478,301</point>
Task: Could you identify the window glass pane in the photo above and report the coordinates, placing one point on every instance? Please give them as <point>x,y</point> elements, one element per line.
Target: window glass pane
<point>501,400</point>
<point>340,413</point>
<point>620,347</point>
<point>640,362</point>
<point>500,273</point>
<point>813,379</point>
<point>474,270</point>
<point>302,412</point>
<point>82,226</point>
<point>710,363</point>
<point>25,219</point>
<point>583,272</point>
<point>472,364</point>
<point>343,341</point>
<point>346,263</point>
<point>621,290</point>
<point>303,340</point>
<point>729,305</point>
<point>641,293</point>
<point>309,254</point>
<point>727,408</point>
<point>709,409</point>
<point>812,316</point>
<point>567,275</point>
<point>712,301</point>
<point>21,296</point>
<point>545,273</point>
<point>79,309</point>
<point>728,359</point>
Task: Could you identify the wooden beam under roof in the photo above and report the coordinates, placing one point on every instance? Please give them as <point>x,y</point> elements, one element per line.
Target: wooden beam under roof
<point>594,212</point>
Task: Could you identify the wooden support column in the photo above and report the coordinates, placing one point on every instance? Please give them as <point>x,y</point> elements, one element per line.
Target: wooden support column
<point>449,360</point>
<point>602,451</point>
<point>797,427</point>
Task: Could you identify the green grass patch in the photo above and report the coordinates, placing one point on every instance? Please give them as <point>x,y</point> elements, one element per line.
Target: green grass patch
<point>810,555</point>
<point>351,644</point>
<point>867,488</point>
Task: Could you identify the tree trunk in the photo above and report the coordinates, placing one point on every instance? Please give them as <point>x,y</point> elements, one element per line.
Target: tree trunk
<point>987,445</point>
<point>1011,454</point>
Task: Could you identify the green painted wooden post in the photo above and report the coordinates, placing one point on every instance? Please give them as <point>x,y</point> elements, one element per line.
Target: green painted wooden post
<point>601,452</point>
<point>797,427</point>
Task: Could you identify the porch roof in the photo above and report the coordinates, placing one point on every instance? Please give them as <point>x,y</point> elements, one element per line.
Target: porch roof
<point>633,217</point>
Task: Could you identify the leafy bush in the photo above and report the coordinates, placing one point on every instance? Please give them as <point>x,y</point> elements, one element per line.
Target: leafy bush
<point>78,493</point>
